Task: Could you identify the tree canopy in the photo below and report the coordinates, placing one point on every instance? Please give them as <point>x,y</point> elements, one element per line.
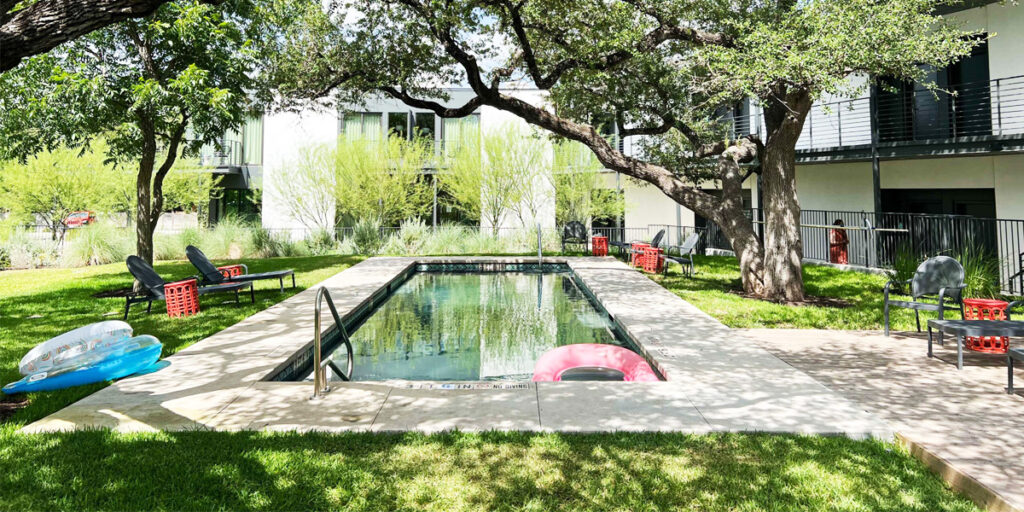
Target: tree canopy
<point>662,69</point>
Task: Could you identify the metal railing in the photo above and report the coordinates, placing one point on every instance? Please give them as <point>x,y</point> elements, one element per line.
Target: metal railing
<point>877,238</point>
<point>320,386</point>
<point>229,153</point>
<point>973,109</point>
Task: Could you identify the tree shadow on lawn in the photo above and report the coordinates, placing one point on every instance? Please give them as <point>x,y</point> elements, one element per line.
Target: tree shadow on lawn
<point>32,318</point>
<point>453,471</point>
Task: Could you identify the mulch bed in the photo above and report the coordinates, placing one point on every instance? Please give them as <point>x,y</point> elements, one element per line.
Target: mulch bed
<point>809,300</point>
<point>10,404</point>
<point>119,292</point>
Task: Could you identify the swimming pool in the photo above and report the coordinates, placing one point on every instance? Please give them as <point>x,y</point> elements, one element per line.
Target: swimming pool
<point>471,323</point>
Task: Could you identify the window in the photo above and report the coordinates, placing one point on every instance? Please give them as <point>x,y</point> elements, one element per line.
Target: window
<point>398,124</point>
<point>366,125</point>
<point>423,125</point>
<point>457,132</point>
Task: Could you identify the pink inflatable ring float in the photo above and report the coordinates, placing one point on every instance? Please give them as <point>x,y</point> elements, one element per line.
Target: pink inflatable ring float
<point>594,358</point>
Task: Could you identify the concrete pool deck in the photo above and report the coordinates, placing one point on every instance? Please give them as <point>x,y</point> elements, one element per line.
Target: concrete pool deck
<point>718,380</point>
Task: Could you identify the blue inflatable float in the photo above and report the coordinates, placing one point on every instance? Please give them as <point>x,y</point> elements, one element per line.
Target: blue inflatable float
<point>119,359</point>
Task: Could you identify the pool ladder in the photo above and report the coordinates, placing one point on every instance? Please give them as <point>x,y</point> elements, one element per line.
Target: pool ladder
<point>320,386</point>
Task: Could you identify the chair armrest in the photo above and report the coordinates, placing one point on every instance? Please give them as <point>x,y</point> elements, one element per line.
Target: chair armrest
<point>1013,305</point>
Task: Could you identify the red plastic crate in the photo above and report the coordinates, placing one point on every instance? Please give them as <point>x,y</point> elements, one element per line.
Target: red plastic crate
<point>652,259</point>
<point>599,245</point>
<point>637,254</point>
<point>230,271</point>
<point>986,309</point>
<point>182,298</point>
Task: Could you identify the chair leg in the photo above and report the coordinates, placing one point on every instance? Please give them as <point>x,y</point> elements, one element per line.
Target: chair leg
<point>127,306</point>
<point>237,301</point>
<point>252,293</point>
<point>886,321</point>
<point>917,316</point>
<point>1009,374</point>
<point>149,307</point>
<point>280,282</point>
<point>942,335</point>
<point>293,280</point>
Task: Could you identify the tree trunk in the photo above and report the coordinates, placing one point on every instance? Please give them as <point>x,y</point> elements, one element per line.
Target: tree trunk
<point>145,221</point>
<point>783,247</point>
<point>731,218</point>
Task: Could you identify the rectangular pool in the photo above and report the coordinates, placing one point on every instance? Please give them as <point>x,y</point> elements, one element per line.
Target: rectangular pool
<point>471,325</point>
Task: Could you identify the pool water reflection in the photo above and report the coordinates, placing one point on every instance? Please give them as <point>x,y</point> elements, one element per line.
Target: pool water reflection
<point>475,326</point>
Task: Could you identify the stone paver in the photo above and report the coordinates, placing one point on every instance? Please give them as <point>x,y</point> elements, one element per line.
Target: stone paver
<point>717,379</point>
<point>962,417</point>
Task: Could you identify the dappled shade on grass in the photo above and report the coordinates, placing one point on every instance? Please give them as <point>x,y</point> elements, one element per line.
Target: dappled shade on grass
<point>39,304</point>
<point>494,471</point>
<point>716,290</point>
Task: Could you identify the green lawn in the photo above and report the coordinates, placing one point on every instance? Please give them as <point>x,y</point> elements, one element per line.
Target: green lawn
<point>100,470</point>
<point>715,290</point>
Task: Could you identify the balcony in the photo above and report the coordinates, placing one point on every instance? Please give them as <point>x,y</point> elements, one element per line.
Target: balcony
<point>226,153</point>
<point>969,118</point>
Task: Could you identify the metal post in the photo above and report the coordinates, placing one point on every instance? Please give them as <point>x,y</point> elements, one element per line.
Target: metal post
<point>876,167</point>
<point>319,377</point>
<point>434,219</point>
<point>999,109</point>
<point>839,112</point>
<point>540,253</point>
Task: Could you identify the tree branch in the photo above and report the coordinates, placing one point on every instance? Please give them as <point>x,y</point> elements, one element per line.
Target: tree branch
<point>44,25</point>
<point>442,111</point>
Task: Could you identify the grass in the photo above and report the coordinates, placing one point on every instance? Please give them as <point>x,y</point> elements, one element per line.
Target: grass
<point>452,472</point>
<point>715,290</point>
<point>39,304</point>
<point>101,470</point>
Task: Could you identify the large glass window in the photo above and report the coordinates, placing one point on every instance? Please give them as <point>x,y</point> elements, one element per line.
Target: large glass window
<point>457,132</point>
<point>423,125</point>
<point>398,124</point>
<point>365,125</point>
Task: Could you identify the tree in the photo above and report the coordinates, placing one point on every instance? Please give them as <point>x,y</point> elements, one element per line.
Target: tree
<point>358,178</point>
<point>161,86</point>
<point>663,69</point>
<point>53,184</point>
<point>380,180</point>
<point>580,194</point>
<point>31,28</point>
<point>490,178</point>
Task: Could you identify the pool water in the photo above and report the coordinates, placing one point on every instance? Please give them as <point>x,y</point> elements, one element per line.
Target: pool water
<point>474,326</point>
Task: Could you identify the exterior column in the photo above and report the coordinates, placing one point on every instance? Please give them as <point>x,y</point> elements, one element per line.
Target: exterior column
<point>876,167</point>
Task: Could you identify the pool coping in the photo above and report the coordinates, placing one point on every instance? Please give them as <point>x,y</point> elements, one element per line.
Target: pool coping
<point>717,380</point>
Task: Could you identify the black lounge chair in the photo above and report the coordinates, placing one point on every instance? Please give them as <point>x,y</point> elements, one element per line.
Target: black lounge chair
<point>627,246</point>
<point>937,286</point>
<point>210,274</point>
<point>574,233</point>
<point>153,286</point>
<point>685,257</point>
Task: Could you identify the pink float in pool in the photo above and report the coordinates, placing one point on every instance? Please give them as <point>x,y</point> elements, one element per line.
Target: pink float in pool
<point>592,361</point>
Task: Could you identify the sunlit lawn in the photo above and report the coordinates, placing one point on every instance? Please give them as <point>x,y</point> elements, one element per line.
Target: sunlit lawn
<point>716,285</point>
<point>100,470</point>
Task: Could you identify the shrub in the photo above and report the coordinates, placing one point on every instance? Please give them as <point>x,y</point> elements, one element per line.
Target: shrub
<point>97,244</point>
<point>26,250</point>
<point>366,237</point>
<point>229,239</point>
<point>904,266</point>
<point>267,244</point>
<point>981,272</point>
<point>320,242</point>
<point>413,234</point>
<point>395,247</point>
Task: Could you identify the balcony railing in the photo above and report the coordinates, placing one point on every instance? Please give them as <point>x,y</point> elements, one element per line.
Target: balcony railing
<point>228,154</point>
<point>977,109</point>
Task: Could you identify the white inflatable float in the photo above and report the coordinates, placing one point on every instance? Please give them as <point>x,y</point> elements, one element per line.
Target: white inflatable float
<point>74,349</point>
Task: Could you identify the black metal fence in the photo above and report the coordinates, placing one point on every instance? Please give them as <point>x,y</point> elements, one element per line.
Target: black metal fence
<point>877,238</point>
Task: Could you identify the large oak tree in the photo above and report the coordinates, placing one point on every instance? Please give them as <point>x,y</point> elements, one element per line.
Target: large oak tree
<point>29,28</point>
<point>154,88</point>
<point>662,69</point>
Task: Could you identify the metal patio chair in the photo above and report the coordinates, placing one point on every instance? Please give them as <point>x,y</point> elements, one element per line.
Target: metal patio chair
<point>153,286</point>
<point>211,274</point>
<point>937,285</point>
<point>574,233</point>
<point>627,246</point>
<point>686,251</point>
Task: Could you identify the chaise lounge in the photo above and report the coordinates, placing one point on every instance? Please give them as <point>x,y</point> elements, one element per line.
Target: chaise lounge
<point>211,274</point>
<point>153,286</point>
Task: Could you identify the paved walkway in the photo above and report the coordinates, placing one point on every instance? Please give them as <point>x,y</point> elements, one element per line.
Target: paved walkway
<point>717,381</point>
<point>964,418</point>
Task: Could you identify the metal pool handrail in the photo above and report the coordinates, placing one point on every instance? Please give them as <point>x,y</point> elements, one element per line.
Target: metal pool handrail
<point>320,386</point>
